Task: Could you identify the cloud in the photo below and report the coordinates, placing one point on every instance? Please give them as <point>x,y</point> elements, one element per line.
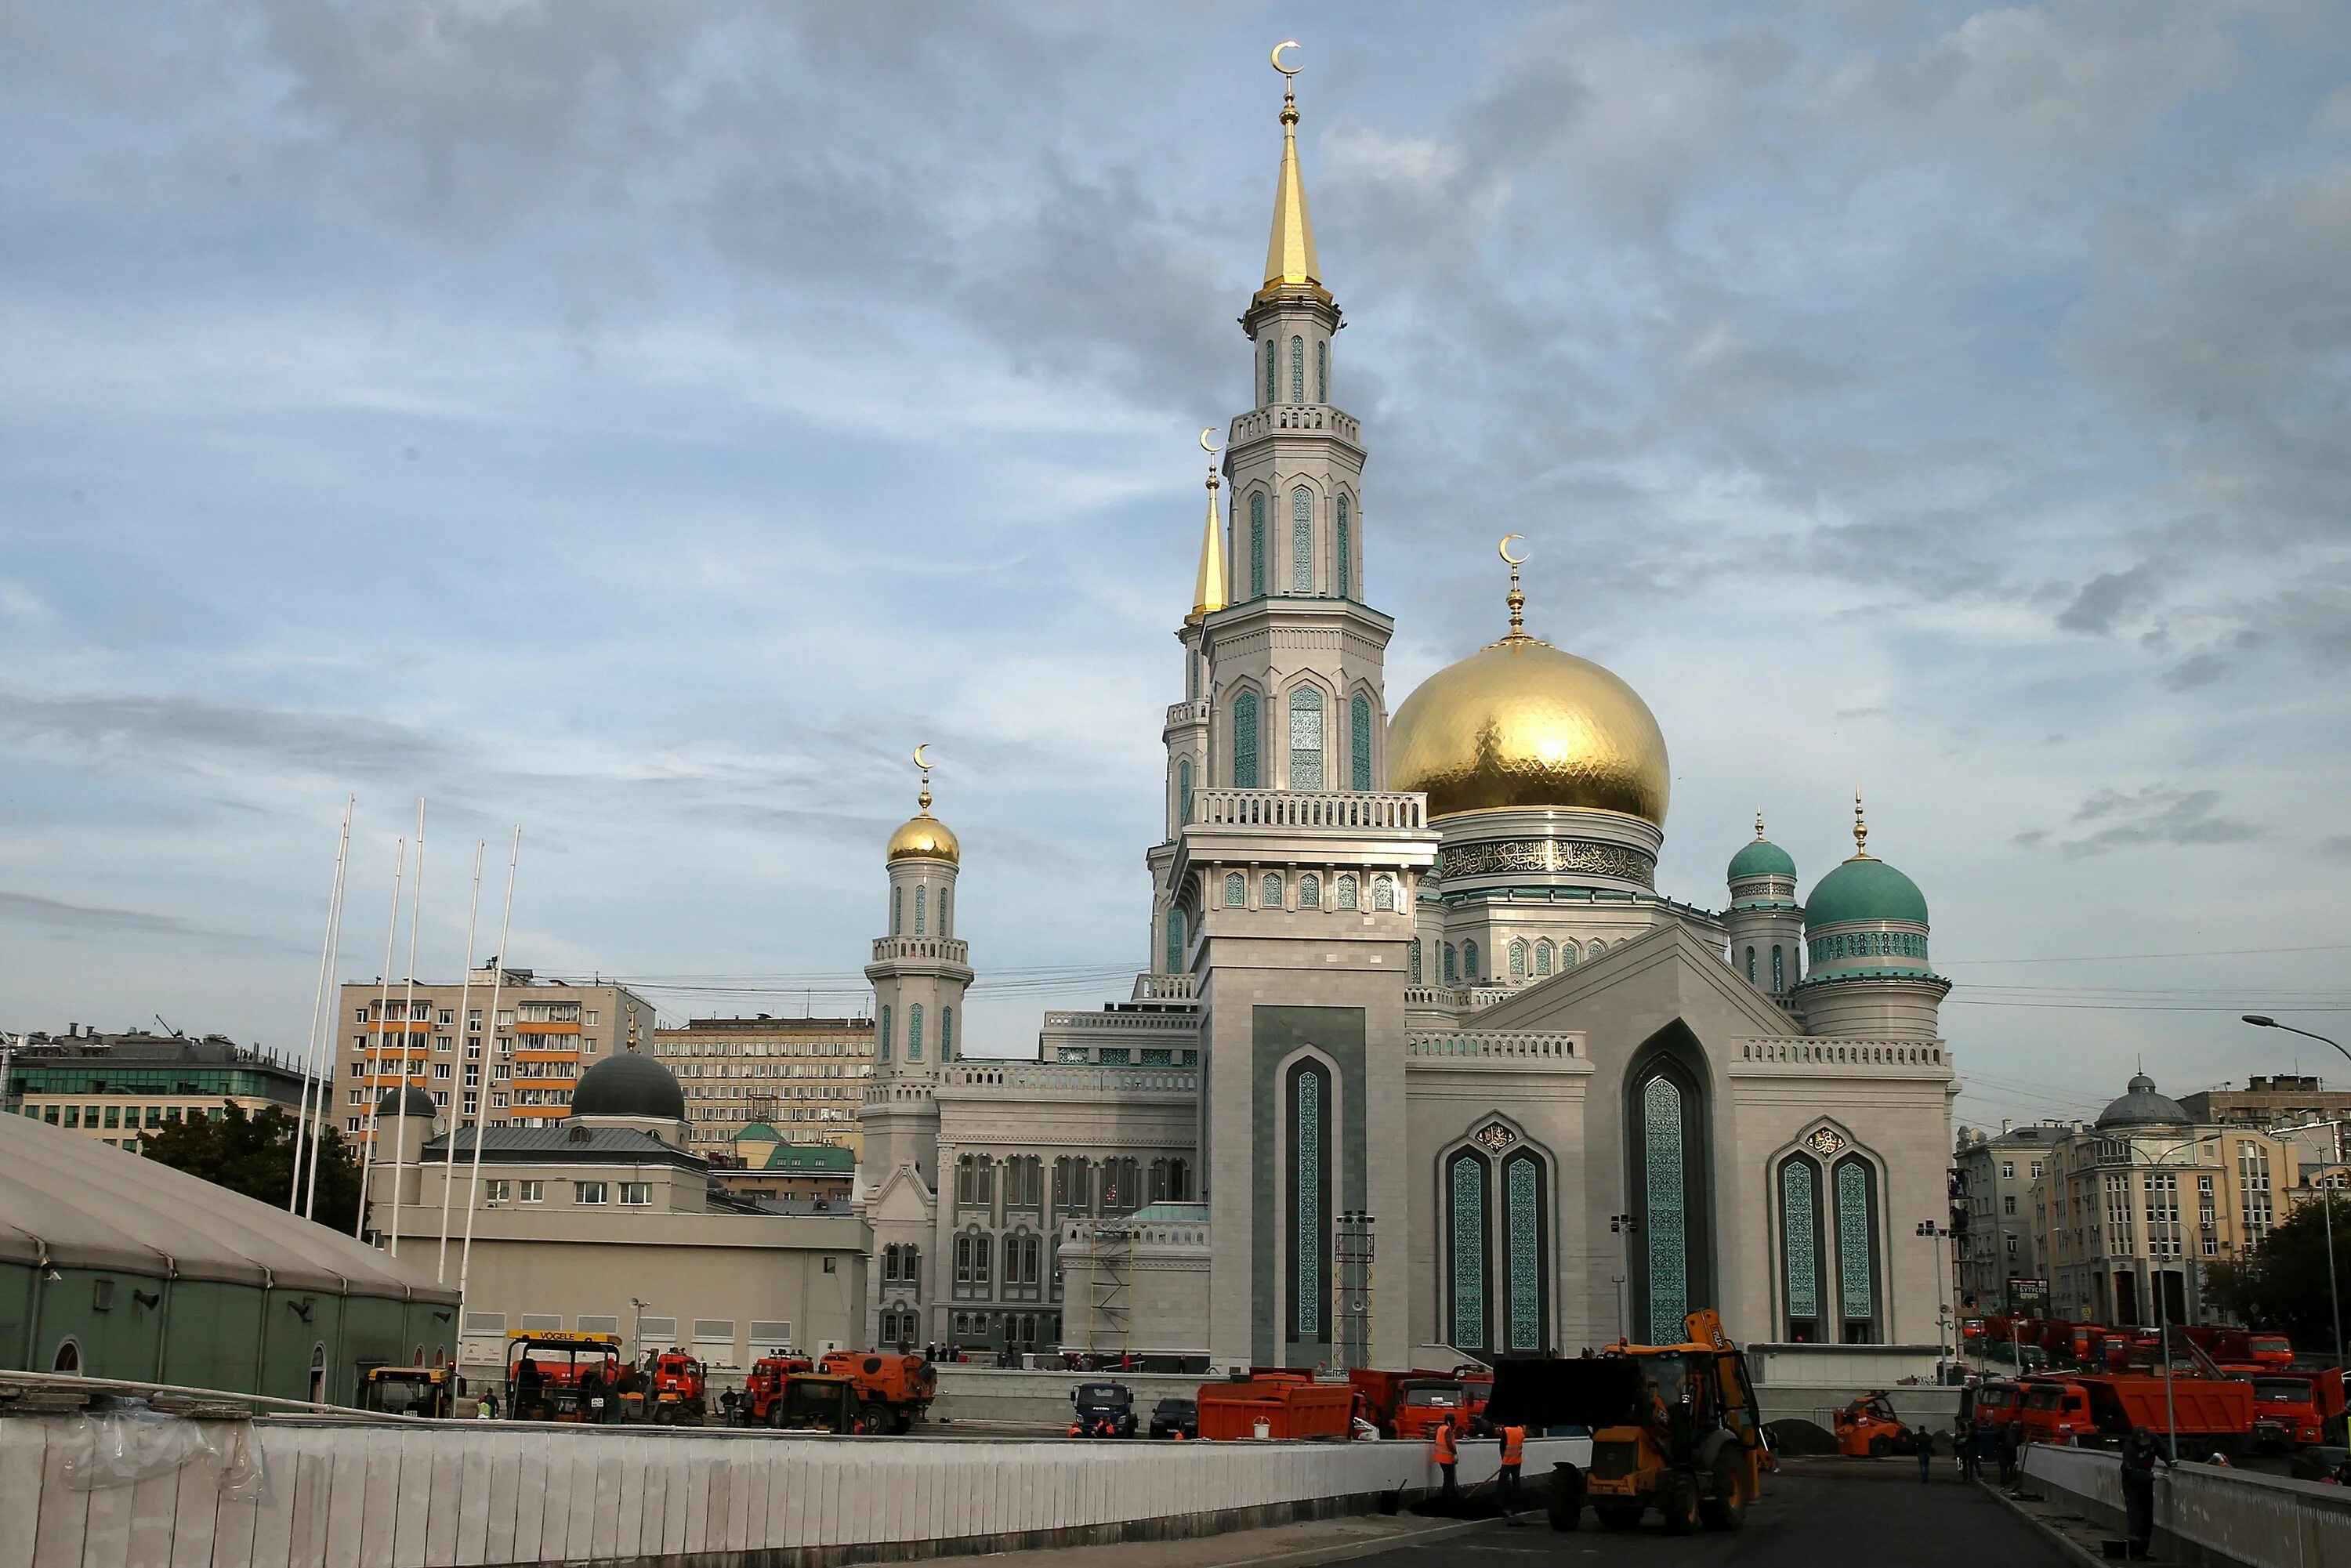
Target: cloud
<point>2154,814</point>
<point>2107,597</point>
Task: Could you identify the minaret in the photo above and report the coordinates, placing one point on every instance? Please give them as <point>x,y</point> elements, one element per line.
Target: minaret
<point>919,972</point>
<point>1867,972</point>
<point>1186,736</point>
<point>1765,923</point>
<point>1297,700</point>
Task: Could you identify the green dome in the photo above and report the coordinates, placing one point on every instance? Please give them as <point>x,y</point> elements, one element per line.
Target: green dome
<point>1762,858</point>
<point>1864,889</point>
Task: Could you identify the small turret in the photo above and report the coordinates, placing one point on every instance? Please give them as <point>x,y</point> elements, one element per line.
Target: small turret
<point>1765,923</point>
<point>919,972</point>
<point>1865,951</point>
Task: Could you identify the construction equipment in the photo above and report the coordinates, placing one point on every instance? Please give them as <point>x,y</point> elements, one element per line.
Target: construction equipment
<point>2218,1412</point>
<point>2295,1410</point>
<point>408,1391</point>
<point>552,1375</point>
<point>816,1402</point>
<point>676,1385</point>
<point>893,1390</point>
<point>1869,1429</point>
<point>1274,1403</point>
<point>766,1384</point>
<point>1674,1427</point>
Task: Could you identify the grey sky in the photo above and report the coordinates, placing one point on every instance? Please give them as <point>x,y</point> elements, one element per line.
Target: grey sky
<point>645,423</point>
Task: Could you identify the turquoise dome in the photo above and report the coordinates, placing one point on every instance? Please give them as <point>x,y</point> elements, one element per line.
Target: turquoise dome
<point>1864,889</point>
<point>1761,858</point>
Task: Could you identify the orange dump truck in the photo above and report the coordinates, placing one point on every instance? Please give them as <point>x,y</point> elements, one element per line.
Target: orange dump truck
<point>893,1390</point>
<point>2215,1412</point>
<point>1274,1405</point>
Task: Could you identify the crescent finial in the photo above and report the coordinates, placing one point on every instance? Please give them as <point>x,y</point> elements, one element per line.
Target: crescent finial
<point>1287,71</point>
<point>1206,444</point>
<point>922,761</point>
<point>1503,549</point>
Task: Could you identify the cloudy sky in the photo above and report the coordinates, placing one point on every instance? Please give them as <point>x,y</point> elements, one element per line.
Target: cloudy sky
<point>643,423</point>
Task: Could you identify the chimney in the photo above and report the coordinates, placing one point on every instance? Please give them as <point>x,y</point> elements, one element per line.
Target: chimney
<point>2005,1123</point>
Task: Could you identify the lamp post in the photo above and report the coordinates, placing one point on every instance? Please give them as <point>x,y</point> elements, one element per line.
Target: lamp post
<point>1628,1226</point>
<point>2327,1192</point>
<point>1940,1234</point>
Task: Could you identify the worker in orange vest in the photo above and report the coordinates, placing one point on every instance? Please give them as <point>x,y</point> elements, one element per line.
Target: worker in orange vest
<point>1514,1453</point>
<point>1448,1456</point>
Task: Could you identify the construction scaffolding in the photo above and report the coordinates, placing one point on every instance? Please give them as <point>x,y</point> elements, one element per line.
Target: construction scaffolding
<point>1110,1270</point>
<point>1352,1271</point>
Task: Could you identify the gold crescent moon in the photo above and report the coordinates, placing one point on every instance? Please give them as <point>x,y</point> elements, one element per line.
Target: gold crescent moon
<point>1503,549</point>
<point>1204,445</point>
<point>1276,56</point>
<point>922,761</point>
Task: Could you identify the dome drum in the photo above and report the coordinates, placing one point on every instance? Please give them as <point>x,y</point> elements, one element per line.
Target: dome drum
<point>629,1084</point>
<point>1547,846</point>
<point>1866,949</point>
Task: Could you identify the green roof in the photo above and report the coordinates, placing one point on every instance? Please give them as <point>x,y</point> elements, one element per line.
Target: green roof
<point>1864,889</point>
<point>1761,858</point>
<point>760,1132</point>
<point>811,1159</point>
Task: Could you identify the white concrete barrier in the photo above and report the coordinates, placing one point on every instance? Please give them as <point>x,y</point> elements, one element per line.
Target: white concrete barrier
<point>442,1494</point>
<point>2207,1514</point>
<point>994,1393</point>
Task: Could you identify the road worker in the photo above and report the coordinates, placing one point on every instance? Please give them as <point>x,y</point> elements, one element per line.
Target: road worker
<point>1448,1457</point>
<point>1514,1453</point>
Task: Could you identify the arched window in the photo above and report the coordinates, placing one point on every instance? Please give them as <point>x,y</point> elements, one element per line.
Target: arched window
<point>1466,1201</point>
<point>1469,962</point>
<point>1302,540</point>
<point>1192,676</point>
<point>1384,892</point>
<point>1751,966</point>
<point>1546,958</point>
<point>1322,371</point>
<point>946,1034</point>
<point>69,1356</point>
<point>1412,958</point>
<point>914,1032</point>
<point>1257,545</point>
<point>1667,1147</point>
<point>1174,940</point>
<point>1269,370</point>
<point>897,911</point>
<point>1236,889</point>
<point>1800,1248</point>
<point>1452,965</point>
<point>1518,960</point>
<point>1183,801</point>
<point>1596,950</point>
<point>1269,891</point>
<point>1180,1181</point>
<point>1309,1198</point>
<point>1245,774</point>
<point>1298,370</point>
<point>1855,1185</point>
<point>1309,891</point>
<point>883,1043</point>
<point>921,902</point>
<point>1343,580</point>
<point>1526,1253</point>
<point>1306,738</point>
<point>1358,742</point>
<point>1779,967</point>
<point>1343,893</point>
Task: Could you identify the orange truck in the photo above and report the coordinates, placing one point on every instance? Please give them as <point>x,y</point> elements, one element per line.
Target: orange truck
<point>2242,1349</point>
<point>1425,1404</point>
<point>675,1387</point>
<point>1281,1404</point>
<point>765,1386</point>
<point>2214,1411</point>
<point>895,1390</point>
<point>2295,1410</point>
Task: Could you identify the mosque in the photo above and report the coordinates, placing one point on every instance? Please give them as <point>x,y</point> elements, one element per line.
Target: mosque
<point>1422,1058</point>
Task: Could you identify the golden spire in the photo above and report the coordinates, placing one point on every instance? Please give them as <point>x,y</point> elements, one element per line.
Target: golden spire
<point>1860,830</point>
<point>923,799</point>
<point>1208,592</point>
<point>1289,253</point>
<point>1518,598</point>
<point>1759,825</point>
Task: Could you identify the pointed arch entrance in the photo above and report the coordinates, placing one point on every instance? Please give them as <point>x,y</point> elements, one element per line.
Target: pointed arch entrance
<point>1668,1134</point>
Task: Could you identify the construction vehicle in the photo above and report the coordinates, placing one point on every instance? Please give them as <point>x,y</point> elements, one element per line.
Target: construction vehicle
<point>2241,1350</point>
<point>2295,1410</point>
<point>2217,1412</point>
<point>1103,1410</point>
<point>408,1391</point>
<point>552,1375</point>
<point>818,1402</point>
<point>1869,1429</point>
<point>893,1390</point>
<point>1674,1427</point>
<point>1274,1403</point>
<point>766,1383</point>
<point>1427,1402</point>
<point>1992,1404</point>
<point>676,1385</point>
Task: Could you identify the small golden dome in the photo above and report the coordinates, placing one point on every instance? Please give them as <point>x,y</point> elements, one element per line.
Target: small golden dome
<point>926,838</point>
<point>1519,723</point>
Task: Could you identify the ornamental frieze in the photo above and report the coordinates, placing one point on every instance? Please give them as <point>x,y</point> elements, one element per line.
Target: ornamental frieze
<point>1555,856</point>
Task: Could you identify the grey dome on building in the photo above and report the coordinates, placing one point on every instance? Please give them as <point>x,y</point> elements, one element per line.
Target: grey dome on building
<point>409,1101</point>
<point>629,1084</point>
<point>2143,1107</point>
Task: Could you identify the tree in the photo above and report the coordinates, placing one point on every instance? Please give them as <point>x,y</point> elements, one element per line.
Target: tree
<point>2281,1285</point>
<point>253,1154</point>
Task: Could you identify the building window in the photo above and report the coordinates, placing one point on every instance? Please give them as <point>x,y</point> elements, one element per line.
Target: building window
<point>1306,738</point>
<point>589,1192</point>
<point>1309,891</point>
<point>1269,370</point>
<point>1412,958</point>
<point>1526,1264</point>
<point>1245,774</point>
<point>1174,940</point>
<point>897,911</point>
<point>1257,545</point>
<point>1452,965</point>
<point>881,1037</point>
<point>1358,742</point>
<point>1298,370</point>
<point>1518,960</point>
<point>1469,962</point>
<point>1344,893</point>
<point>1597,949</point>
<point>496,1191</point>
<point>1799,1247</point>
<point>1546,958</point>
<point>1342,579</point>
<point>922,911</point>
<point>2253,1188</point>
<point>914,1032</point>
<point>1466,1205</point>
<point>1269,891</point>
<point>1384,893</point>
<point>1183,791</point>
<point>946,897</point>
<point>1073,1186</point>
<point>946,1034</point>
<point>1751,966</point>
<point>1024,1182</point>
<point>1236,889</point>
<point>1310,1182</point>
<point>1302,540</point>
<point>533,1191</point>
<point>1856,1230</point>
<point>636,1195</point>
<point>1322,371</point>
<point>1664,1138</point>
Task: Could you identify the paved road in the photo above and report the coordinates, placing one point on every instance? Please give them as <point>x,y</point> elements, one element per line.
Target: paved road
<point>1815,1513</point>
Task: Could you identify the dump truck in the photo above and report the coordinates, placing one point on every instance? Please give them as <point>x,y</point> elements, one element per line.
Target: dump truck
<point>2242,1349</point>
<point>895,1390</point>
<point>1674,1429</point>
<point>1412,1404</point>
<point>2215,1412</point>
<point>766,1383</point>
<point>1274,1403</point>
<point>2295,1410</point>
<point>675,1384</point>
<point>409,1390</point>
<point>552,1375</point>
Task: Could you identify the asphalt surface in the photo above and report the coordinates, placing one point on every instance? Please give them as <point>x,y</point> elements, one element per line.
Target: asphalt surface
<point>1814,1512</point>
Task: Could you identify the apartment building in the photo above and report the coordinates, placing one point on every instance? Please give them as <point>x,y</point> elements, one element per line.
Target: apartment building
<point>804,1078</point>
<point>1992,1200</point>
<point>517,1070</point>
<point>113,1087</point>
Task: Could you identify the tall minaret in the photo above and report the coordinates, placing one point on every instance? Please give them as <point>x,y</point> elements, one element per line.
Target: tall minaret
<point>1186,736</point>
<point>1297,699</point>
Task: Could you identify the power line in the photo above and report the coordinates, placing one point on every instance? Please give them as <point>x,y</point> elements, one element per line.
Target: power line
<point>2126,957</point>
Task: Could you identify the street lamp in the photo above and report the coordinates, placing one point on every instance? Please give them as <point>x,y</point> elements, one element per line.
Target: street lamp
<point>2327,1190</point>
<point>1628,1226</point>
<point>1940,1234</point>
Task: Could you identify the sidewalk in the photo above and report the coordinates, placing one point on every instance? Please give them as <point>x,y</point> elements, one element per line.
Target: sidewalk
<point>1277,1546</point>
<point>2080,1537</point>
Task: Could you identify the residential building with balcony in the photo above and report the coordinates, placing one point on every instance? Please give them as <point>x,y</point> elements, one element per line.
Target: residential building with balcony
<point>801,1078</point>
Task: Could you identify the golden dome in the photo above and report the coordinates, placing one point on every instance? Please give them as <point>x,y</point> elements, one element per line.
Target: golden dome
<point>926,838</point>
<point>1519,723</point>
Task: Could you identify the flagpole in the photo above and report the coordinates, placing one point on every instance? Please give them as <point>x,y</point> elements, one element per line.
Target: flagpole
<point>408,1006</point>
<point>312,1090</point>
<point>375,1040</point>
<point>481,1121</point>
<point>481,1090</point>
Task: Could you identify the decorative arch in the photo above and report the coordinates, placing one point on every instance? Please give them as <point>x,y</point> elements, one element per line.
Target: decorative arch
<point>1307,743</point>
<point>1546,958</point>
<point>1803,1250</point>
<point>1256,533</point>
<point>1861,1295</point>
<point>1302,540</point>
<point>1384,898</point>
<point>1667,1121</point>
<point>1309,891</point>
<point>1452,965</point>
<point>1245,772</point>
<point>1520,956</point>
<point>1494,1197</point>
<point>1342,579</point>
<point>1596,950</point>
<point>1567,956</point>
<point>1236,889</point>
<point>1183,804</point>
<point>67,1358</point>
<point>1412,958</point>
<point>1469,962</point>
<point>1345,892</point>
<point>1468,1252</point>
<point>1310,1119</point>
<point>1358,742</point>
<point>1269,891</point>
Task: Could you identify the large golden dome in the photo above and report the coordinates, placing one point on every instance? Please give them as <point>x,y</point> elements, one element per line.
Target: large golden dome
<point>926,838</point>
<point>1519,723</point>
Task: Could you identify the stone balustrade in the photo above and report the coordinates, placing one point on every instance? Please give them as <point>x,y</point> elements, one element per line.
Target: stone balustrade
<point>1180,714</point>
<point>1799,1052</point>
<point>1165,989</point>
<point>1063,1080</point>
<point>1302,810</point>
<point>1295,416</point>
<point>1173,1024</point>
<point>942,950</point>
<point>1456,999</point>
<point>1495,1043</point>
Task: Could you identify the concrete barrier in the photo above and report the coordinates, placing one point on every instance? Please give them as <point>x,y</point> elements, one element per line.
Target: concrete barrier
<point>2206,1514</point>
<point>992,1393</point>
<point>442,1494</point>
<point>1931,1405</point>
